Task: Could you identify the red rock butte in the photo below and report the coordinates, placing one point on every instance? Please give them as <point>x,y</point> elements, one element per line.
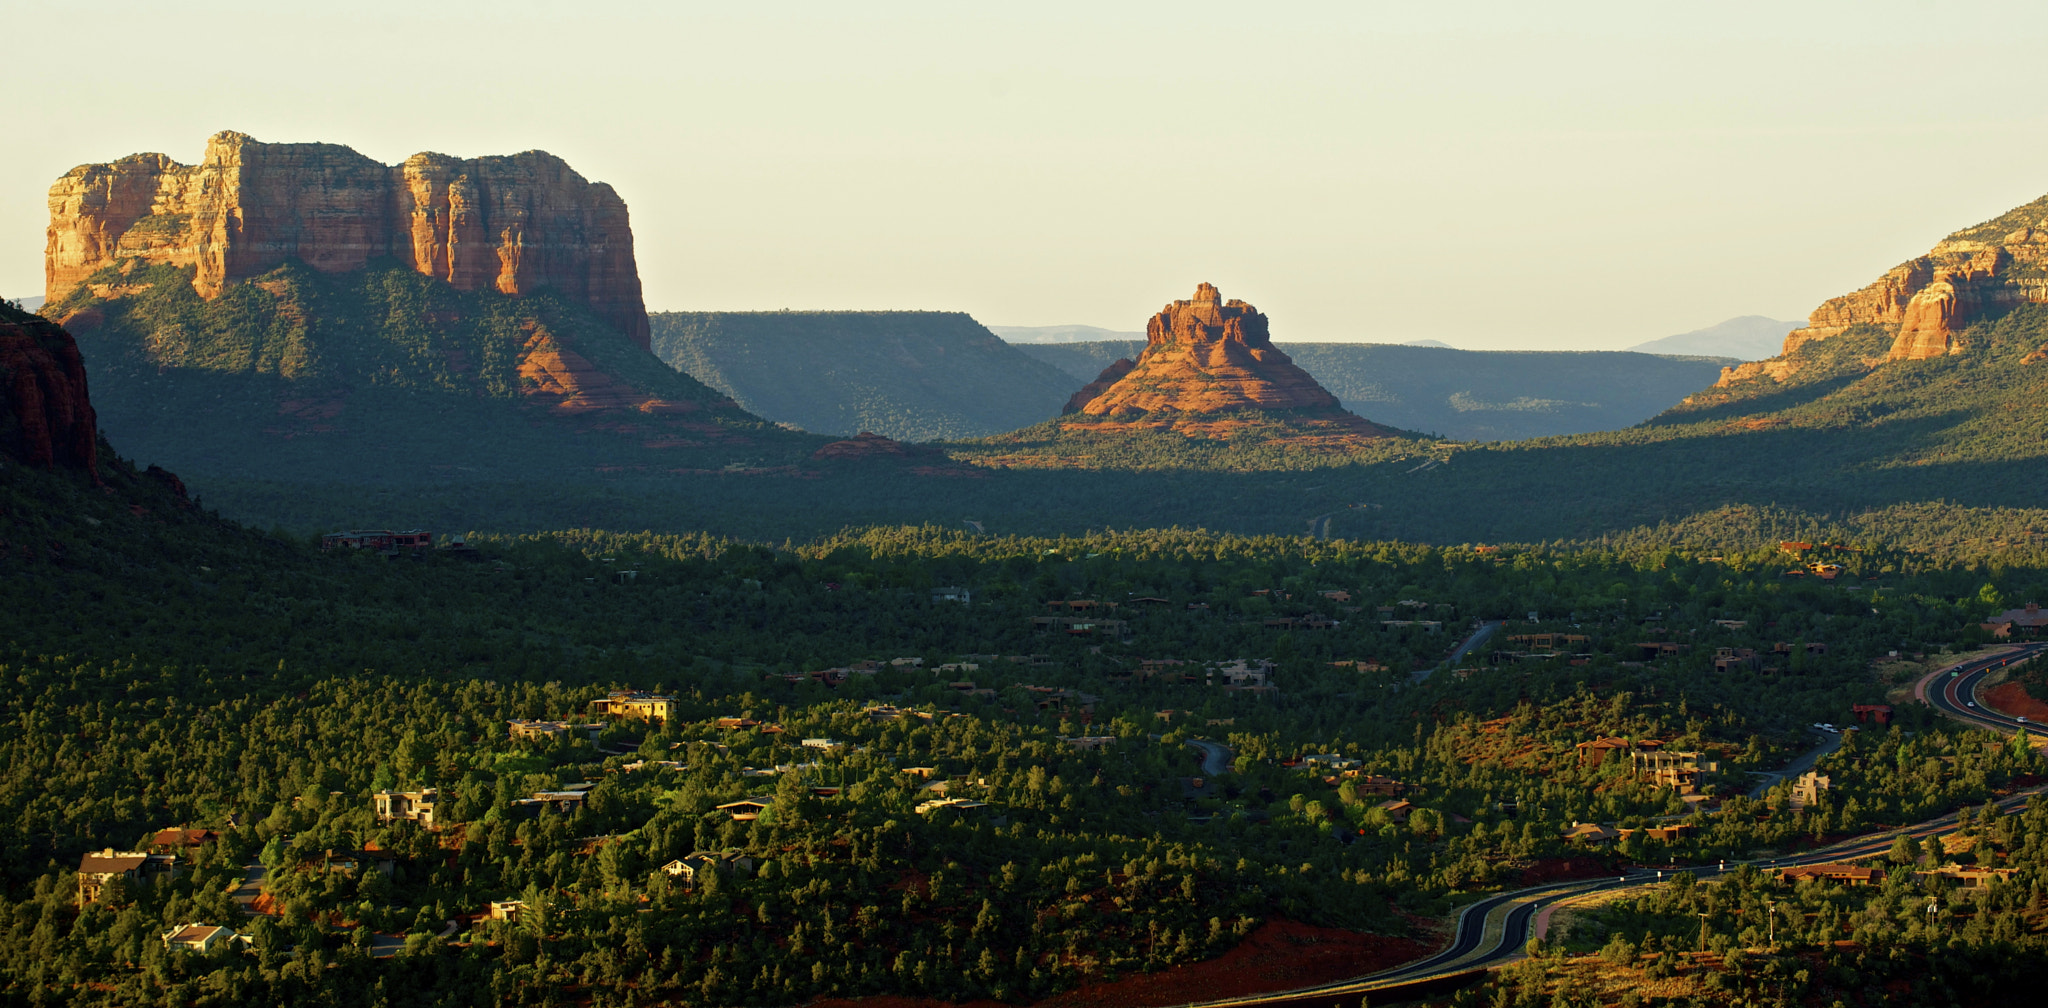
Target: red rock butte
<point>1925,303</point>
<point>1206,355</point>
<point>512,223</point>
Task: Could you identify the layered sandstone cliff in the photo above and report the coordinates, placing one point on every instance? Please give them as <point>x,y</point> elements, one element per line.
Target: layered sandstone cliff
<point>1206,357</point>
<point>46,418</point>
<point>512,223</point>
<point>1927,302</point>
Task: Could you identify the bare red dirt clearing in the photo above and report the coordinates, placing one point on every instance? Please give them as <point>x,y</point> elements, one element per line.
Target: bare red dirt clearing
<point>2012,699</point>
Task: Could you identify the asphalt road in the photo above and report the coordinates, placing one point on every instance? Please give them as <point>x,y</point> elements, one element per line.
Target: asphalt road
<point>1830,742</point>
<point>1476,638</point>
<point>1953,691</point>
<point>1480,944</point>
<point>1215,757</point>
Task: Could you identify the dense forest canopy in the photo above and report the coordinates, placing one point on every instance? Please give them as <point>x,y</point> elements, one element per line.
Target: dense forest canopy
<point>169,669</point>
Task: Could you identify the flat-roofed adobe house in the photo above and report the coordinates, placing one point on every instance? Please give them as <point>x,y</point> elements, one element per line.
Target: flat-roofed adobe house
<point>1855,875</point>
<point>565,802</point>
<point>96,870</point>
<point>199,938</point>
<point>636,704</point>
<point>520,729</point>
<point>410,806</point>
<point>507,910</point>
<point>1592,833</point>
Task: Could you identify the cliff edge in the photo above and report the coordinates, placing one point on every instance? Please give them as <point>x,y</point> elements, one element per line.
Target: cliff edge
<point>513,223</point>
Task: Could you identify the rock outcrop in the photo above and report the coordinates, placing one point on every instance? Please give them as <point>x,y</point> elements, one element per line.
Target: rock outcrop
<point>46,417</point>
<point>512,223</point>
<point>1110,375</point>
<point>1206,357</point>
<point>1927,302</point>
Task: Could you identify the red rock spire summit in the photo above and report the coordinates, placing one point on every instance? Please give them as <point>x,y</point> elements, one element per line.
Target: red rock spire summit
<point>1207,355</point>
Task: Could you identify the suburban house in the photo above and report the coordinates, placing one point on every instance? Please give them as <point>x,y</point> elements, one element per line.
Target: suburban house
<point>1970,878</point>
<point>636,704</point>
<point>1807,790</point>
<point>385,541</point>
<point>1591,833</point>
<point>1854,875</point>
<point>181,841</point>
<point>96,870</point>
<point>552,729</point>
<point>1396,809</point>
<point>1595,752</point>
<point>413,806</point>
<point>506,910</point>
<point>748,809</point>
<point>1081,626</point>
<point>1664,834</point>
<point>2025,621</point>
<point>691,867</point>
<point>352,862</point>
<point>824,744</point>
<point>565,800</point>
<point>1088,742</point>
<point>1375,784</point>
<point>1872,713</point>
<point>200,938</point>
<point>1679,771</point>
<point>956,804</point>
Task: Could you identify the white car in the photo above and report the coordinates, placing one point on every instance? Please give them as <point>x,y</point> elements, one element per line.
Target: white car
<point>1970,703</point>
<point>2020,720</point>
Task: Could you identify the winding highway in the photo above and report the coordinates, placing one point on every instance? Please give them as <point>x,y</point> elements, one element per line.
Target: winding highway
<point>1495,930</point>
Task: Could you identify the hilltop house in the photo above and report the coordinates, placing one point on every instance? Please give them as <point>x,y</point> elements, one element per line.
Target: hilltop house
<point>690,868</point>
<point>96,870</point>
<point>1855,875</point>
<point>413,806</point>
<point>2025,621</point>
<point>181,841</point>
<point>199,938</point>
<point>1590,833</point>
<point>748,809</point>
<point>551,729</point>
<point>636,704</point>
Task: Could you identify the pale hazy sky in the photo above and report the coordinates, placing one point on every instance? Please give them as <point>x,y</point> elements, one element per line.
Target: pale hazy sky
<point>1494,175</point>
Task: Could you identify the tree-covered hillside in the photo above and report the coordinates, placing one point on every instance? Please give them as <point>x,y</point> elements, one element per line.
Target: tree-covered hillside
<point>914,376</point>
<point>385,376</point>
<point>925,810</point>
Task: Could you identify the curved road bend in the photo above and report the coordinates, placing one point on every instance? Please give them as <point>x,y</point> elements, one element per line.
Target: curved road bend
<point>1215,757</point>
<point>1476,638</point>
<point>1495,929</point>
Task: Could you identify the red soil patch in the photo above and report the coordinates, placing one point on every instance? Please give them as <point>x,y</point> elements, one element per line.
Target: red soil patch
<point>1280,955</point>
<point>1562,870</point>
<point>2013,700</point>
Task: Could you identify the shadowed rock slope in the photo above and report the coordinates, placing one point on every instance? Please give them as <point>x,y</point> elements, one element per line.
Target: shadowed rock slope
<point>914,376</point>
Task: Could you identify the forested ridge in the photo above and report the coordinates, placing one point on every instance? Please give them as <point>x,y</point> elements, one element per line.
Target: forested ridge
<point>171,669</point>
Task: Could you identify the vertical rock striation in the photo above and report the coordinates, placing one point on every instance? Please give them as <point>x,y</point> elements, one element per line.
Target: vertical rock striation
<point>1926,302</point>
<point>512,223</point>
